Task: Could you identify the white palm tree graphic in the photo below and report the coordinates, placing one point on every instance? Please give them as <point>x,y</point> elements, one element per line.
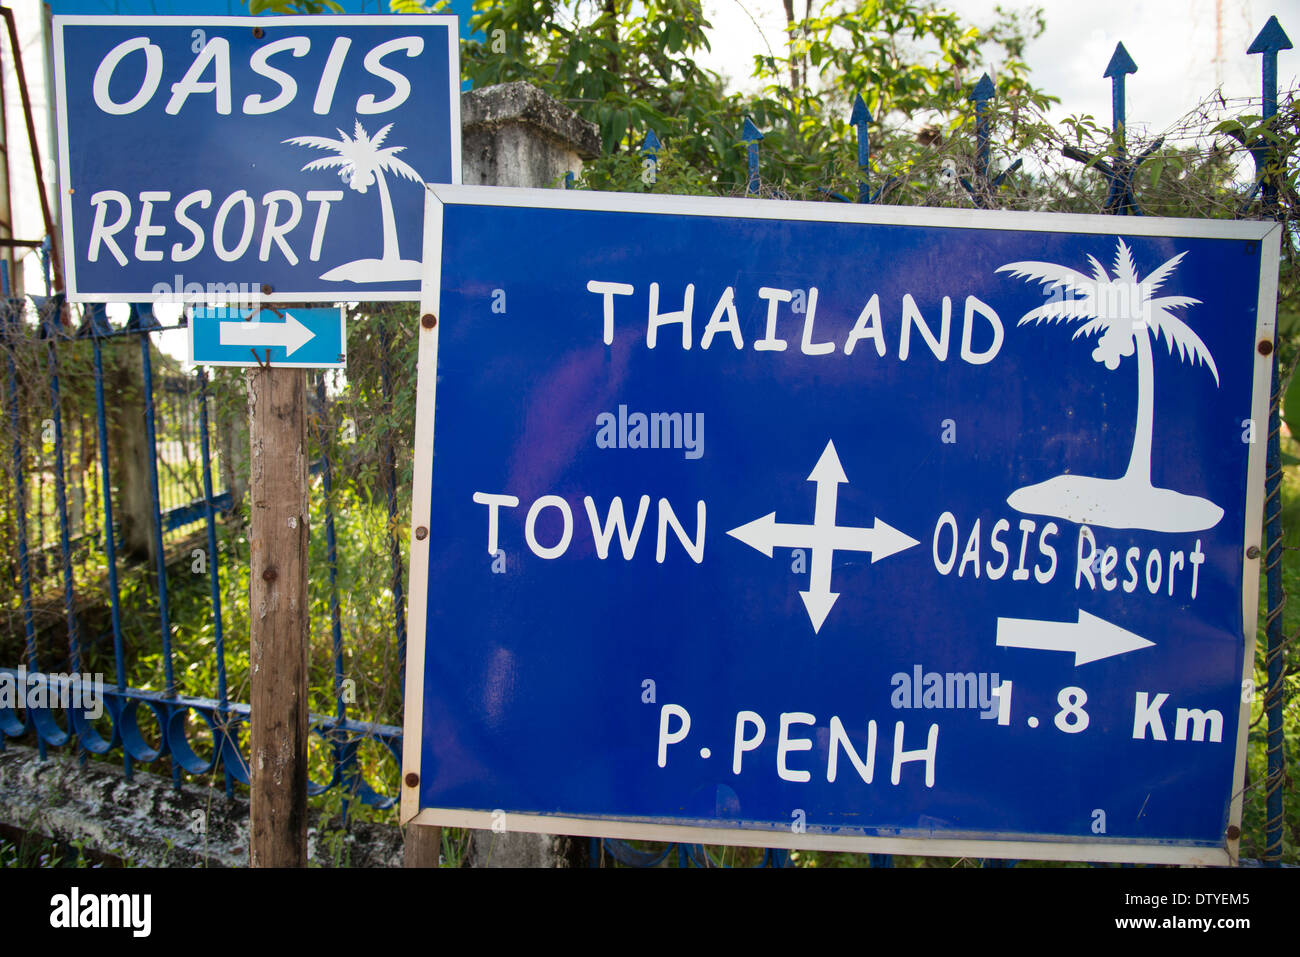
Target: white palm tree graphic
<point>362,163</point>
<point>1128,315</point>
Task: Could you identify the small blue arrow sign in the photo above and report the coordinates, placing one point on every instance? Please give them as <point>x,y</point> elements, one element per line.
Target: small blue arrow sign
<point>650,145</point>
<point>293,338</point>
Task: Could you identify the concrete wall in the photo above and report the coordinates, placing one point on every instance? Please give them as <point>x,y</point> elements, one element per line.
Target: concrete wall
<point>148,822</point>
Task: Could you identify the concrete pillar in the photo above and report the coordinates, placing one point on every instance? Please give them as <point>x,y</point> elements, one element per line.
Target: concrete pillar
<point>513,134</point>
<point>518,849</point>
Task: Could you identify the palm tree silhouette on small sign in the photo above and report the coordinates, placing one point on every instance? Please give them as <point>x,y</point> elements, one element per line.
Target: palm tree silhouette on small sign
<point>1128,315</point>
<point>362,163</point>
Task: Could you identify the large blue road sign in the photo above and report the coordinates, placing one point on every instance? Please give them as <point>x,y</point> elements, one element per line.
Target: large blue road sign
<point>252,158</point>
<point>290,337</point>
<point>906,530</point>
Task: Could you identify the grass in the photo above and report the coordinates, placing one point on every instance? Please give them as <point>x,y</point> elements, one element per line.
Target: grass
<point>35,850</point>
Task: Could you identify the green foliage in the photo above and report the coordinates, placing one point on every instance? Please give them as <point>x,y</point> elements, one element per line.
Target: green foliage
<point>914,64</point>
<point>628,172</point>
<point>36,850</point>
<point>1256,788</point>
<point>631,67</point>
<point>455,847</point>
<point>628,67</point>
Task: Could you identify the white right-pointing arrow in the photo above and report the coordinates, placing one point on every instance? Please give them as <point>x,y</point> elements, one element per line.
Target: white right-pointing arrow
<point>1090,638</point>
<point>291,334</point>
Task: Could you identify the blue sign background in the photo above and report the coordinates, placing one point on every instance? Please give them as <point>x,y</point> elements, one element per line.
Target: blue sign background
<point>534,678</point>
<point>200,149</point>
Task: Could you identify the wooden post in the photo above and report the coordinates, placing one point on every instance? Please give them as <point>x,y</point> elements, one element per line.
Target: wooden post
<point>277,400</point>
<point>422,845</point>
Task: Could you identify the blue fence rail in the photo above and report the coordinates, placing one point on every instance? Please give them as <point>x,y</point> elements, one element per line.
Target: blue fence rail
<point>64,524</point>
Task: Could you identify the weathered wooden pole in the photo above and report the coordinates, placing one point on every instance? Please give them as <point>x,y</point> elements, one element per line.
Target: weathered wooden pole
<point>277,399</point>
<point>422,846</point>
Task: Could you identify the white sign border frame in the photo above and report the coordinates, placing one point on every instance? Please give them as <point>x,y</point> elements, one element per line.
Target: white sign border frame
<point>197,20</point>
<point>1116,850</point>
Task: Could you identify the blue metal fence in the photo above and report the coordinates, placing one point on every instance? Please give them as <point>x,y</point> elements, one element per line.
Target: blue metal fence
<point>195,735</point>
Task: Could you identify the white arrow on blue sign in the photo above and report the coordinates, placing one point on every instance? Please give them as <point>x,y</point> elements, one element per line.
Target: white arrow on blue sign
<point>292,338</point>
<point>252,159</point>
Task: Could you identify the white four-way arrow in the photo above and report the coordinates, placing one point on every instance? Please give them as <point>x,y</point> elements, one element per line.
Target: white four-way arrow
<point>1090,638</point>
<point>291,334</point>
<point>823,537</point>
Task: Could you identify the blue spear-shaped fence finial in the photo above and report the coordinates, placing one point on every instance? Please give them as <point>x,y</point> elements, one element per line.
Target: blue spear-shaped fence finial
<point>1119,171</point>
<point>650,158</point>
<point>982,93</point>
<point>1270,40</point>
<point>983,90</point>
<point>860,119</point>
<point>1120,64</point>
<point>49,310</point>
<point>141,317</point>
<point>751,135</point>
<point>94,321</point>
